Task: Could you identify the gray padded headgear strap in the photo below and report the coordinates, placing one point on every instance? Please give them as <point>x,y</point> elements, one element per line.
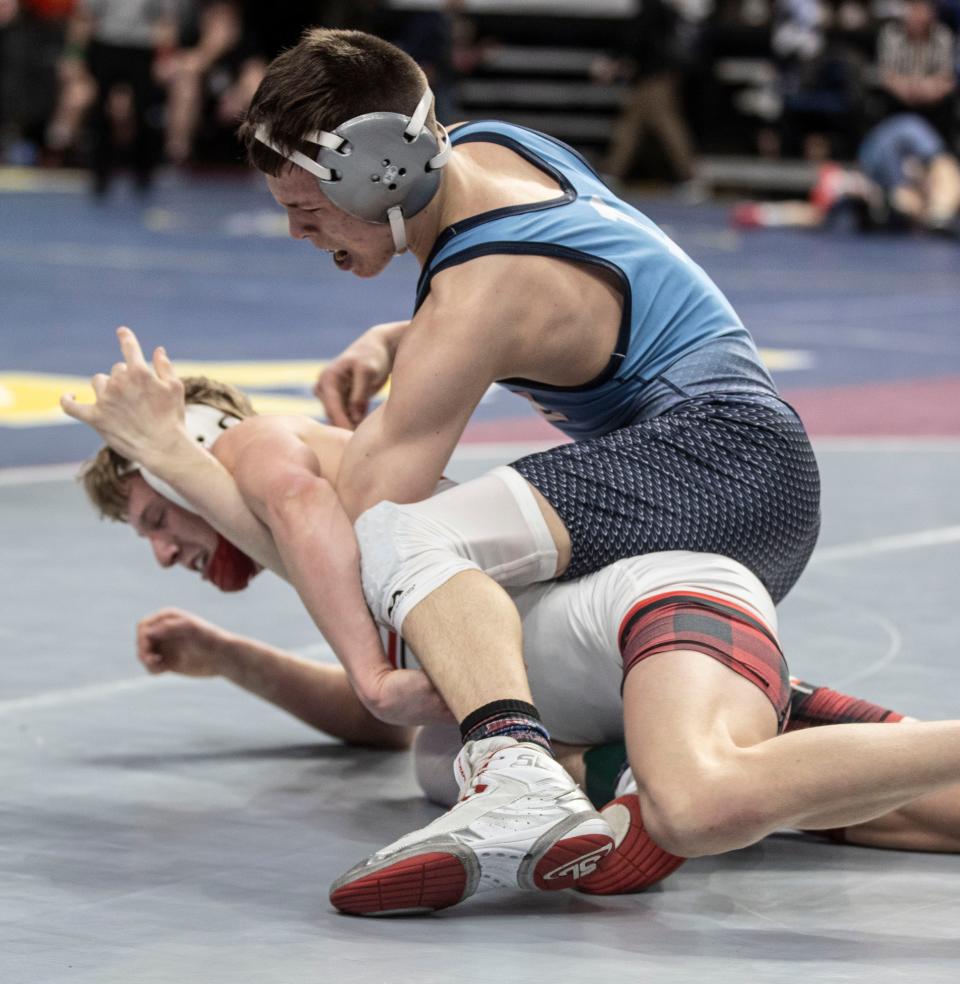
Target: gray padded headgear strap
<point>380,167</point>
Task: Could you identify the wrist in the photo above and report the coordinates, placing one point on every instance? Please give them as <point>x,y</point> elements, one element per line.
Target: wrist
<point>177,454</point>
<point>232,656</point>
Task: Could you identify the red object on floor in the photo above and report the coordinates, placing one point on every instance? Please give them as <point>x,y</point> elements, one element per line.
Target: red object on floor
<point>425,883</point>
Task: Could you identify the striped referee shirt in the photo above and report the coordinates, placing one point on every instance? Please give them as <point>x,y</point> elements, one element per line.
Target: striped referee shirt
<point>900,55</point>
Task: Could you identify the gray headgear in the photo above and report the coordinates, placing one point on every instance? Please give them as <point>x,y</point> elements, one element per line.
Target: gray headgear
<point>380,167</point>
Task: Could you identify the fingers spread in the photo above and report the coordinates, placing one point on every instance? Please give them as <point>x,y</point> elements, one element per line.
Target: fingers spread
<point>162,364</point>
<point>130,347</point>
<point>79,411</point>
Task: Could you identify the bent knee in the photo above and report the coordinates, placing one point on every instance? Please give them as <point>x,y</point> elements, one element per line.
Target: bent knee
<point>700,815</point>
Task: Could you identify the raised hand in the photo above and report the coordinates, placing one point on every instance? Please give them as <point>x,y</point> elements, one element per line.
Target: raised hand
<point>139,408</point>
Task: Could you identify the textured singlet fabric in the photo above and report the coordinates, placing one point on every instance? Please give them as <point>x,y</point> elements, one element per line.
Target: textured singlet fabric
<point>681,443</point>
<point>679,337</point>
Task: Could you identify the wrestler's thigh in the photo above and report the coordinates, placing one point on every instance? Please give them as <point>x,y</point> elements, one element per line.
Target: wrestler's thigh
<point>686,716</point>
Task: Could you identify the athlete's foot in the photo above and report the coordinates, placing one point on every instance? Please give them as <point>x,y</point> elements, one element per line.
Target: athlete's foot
<point>520,822</point>
<point>636,863</point>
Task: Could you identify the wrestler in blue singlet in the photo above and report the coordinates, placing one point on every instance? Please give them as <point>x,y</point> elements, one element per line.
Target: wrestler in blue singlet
<point>671,308</point>
<point>681,443</point>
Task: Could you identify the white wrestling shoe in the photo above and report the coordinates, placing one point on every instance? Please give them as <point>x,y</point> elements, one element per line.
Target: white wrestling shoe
<point>636,863</point>
<point>520,822</point>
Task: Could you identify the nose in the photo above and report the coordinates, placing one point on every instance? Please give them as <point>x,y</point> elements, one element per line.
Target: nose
<point>165,551</point>
<point>297,225</point>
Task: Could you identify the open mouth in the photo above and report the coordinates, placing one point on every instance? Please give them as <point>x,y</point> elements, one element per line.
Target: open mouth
<point>342,259</point>
<point>200,563</point>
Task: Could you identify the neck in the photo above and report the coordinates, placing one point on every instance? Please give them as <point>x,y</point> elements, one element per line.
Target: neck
<point>452,202</point>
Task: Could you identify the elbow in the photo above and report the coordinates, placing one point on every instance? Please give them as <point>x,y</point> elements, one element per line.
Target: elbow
<point>294,498</point>
<point>379,703</point>
<point>371,696</point>
<point>354,500</point>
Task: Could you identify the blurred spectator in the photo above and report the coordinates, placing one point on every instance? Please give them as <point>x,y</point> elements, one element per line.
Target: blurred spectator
<point>821,76</point>
<point>213,80</point>
<point>656,48</point>
<point>916,65</point>
<point>31,40</point>
<point>117,43</point>
<point>905,178</point>
<point>732,115</point>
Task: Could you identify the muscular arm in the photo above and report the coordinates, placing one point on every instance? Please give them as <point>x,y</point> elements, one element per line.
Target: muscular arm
<point>475,328</point>
<point>279,476</point>
<point>321,696</point>
<point>210,488</point>
<point>447,358</point>
<point>209,483</point>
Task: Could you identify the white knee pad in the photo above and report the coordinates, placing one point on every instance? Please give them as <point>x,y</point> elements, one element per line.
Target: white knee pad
<point>491,524</point>
<point>434,749</point>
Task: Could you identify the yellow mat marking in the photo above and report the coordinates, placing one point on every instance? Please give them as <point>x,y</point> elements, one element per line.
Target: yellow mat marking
<point>31,399</point>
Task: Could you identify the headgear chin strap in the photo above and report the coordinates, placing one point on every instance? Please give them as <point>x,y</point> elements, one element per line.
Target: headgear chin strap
<point>205,424</point>
<point>379,167</point>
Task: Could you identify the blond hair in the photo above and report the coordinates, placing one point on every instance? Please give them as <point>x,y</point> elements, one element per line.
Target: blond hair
<point>330,77</point>
<point>105,477</point>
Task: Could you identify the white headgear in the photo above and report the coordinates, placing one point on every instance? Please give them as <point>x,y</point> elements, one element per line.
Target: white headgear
<point>205,424</point>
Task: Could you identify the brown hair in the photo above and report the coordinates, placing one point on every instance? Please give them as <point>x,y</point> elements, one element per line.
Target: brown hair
<point>328,78</point>
<point>105,476</point>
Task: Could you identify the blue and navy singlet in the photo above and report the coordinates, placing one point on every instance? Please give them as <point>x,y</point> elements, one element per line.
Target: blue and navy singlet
<point>679,337</point>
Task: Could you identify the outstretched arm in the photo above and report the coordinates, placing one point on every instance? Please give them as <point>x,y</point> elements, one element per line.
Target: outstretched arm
<point>321,696</point>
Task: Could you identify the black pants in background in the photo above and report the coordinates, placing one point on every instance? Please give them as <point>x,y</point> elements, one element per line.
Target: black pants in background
<point>112,65</point>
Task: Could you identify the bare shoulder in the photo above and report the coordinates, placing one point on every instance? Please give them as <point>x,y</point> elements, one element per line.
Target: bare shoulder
<point>542,285</point>
<point>271,443</point>
<point>260,430</point>
<point>535,312</point>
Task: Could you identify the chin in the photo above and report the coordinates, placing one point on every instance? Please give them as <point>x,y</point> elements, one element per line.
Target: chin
<point>365,272</point>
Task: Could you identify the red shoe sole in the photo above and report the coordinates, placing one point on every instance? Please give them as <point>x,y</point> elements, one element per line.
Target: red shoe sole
<point>420,884</point>
<point>570,860</point>
<point>636,863</point>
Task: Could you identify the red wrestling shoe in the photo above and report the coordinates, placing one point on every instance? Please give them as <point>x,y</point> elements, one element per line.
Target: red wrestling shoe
<point>635,863</point>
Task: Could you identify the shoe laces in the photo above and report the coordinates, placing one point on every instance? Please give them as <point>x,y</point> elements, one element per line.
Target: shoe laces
<point>472,762</point>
